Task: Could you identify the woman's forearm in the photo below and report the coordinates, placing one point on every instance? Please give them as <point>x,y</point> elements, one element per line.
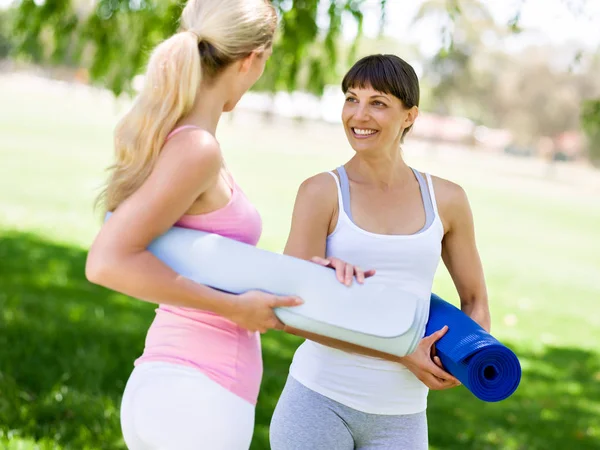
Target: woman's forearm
<point>342,345</point>
<point>143,276</point>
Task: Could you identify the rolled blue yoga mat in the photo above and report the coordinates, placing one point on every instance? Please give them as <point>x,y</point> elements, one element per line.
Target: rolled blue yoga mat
<point>373,315</point>
<point>486,367</point>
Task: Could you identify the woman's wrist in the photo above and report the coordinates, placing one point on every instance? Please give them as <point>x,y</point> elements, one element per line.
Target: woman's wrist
<point>216,301</point>
<point>226,304</point>
<point>404,360</point>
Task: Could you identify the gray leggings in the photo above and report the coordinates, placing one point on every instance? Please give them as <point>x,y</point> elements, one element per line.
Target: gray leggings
<point>306,420</point>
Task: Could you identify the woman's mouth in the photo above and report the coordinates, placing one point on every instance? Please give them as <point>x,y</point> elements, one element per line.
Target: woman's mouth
<point>363,133</point>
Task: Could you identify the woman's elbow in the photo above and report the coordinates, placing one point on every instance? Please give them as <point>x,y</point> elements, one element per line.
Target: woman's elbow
<point>98,268</point>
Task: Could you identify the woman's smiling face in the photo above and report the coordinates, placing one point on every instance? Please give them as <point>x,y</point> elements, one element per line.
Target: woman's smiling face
<point>374,120</point>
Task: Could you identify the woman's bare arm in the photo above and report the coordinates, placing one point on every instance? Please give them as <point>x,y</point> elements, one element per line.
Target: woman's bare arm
<point>118,258</point>
<point>460,254</point>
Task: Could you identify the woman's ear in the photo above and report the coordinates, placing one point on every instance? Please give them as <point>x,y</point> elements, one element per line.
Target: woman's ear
<point>412,115</point>
<point>247,62</point>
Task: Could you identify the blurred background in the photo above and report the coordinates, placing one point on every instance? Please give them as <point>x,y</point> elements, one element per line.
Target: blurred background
<point>510,110</point>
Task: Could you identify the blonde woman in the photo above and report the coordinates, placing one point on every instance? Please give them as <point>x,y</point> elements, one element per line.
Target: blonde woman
<point>195,385</point>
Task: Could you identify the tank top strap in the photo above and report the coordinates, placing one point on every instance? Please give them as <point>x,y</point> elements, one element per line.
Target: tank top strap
<point>345,191</point>
<point>180,129</point>
<point>425,198</point>
<point>432,194</point>
<point>339,191</point>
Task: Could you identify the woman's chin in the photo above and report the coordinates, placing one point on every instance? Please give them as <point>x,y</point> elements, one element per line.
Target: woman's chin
<point>228,107</point>
<point>363,147</point>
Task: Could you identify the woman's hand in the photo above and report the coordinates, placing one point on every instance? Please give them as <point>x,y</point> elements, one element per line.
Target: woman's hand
<point>343,270</point>
<point>253,310</point>
<point>426,369</point>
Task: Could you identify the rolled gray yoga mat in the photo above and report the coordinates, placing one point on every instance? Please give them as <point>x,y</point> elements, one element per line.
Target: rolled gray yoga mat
<point>369,315</point>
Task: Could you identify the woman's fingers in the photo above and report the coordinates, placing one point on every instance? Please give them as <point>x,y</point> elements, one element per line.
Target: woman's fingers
<point>334,263</point>
<point>437,371</point>
<point>322,261</point>
<point>433,338</point>
<point>348,274</point>
<point>344,272</point>
<point>438,384</point>
<point>360,274</point>
<point>433,351</point>
<point>339,270</point>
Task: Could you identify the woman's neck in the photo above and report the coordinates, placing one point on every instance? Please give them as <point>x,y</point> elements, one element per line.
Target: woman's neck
<point>385,170</point>
<point>207,109</point>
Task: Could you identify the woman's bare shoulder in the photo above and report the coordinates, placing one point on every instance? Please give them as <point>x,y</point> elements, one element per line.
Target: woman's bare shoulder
<point>448,193</point>
<point>319,187</point>
<point>196,149</point>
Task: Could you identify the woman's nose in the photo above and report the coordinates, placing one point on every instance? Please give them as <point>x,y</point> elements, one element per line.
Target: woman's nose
<point>361,113</point>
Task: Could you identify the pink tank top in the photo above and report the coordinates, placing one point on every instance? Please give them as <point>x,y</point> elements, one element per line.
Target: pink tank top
<point>225,352</point>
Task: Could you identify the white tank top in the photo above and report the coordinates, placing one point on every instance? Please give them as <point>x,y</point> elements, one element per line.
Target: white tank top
<point>364,383</point>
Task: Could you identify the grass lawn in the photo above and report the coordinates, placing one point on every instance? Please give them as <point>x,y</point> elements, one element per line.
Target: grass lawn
<point>66,347</point>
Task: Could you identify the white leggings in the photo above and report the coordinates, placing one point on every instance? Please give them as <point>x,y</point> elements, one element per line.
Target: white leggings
<point>171,407</point>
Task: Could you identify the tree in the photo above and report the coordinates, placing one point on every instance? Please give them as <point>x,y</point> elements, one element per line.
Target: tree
<point>6,42</point>
<point>461,25</point>
<point>113,37</point>
<point>590,121</point>
<point>522,92</point>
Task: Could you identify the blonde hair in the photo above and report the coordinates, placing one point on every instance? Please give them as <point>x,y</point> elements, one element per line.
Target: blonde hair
<point>213,34</point>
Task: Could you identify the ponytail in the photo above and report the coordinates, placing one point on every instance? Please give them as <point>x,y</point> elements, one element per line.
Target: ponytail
<point>172,80</point>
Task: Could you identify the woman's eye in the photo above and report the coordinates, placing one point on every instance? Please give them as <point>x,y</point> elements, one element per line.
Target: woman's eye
<point>379,104</point>
<point>350,99</point>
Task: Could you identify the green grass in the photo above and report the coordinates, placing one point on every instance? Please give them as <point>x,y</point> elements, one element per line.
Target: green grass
<point>66,346</point>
